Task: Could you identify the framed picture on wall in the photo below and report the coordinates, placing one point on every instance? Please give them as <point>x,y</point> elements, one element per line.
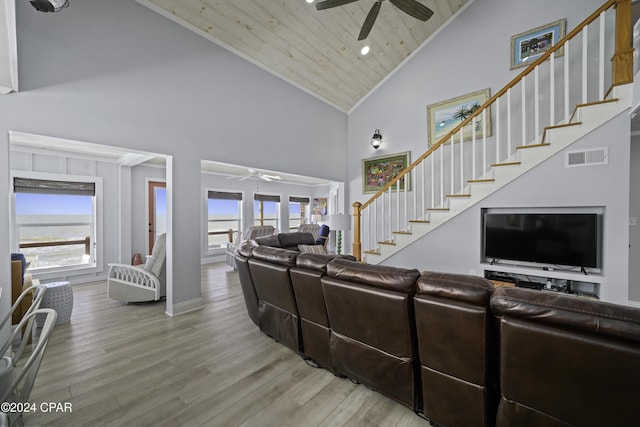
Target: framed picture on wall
<point>528,46</point>
<point>443,117</point>
<point>379,171</point>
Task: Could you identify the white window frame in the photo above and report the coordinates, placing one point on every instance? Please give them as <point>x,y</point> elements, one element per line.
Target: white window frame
<point>307,213</point>
<point>97,249</point>
<point>241,221</point>
<point>278,218</point>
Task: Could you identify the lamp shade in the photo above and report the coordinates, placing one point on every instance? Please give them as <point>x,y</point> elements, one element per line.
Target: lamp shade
<point>339,222</point>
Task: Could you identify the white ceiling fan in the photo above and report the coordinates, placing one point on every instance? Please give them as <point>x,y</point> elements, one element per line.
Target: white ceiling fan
<point>256,174</point>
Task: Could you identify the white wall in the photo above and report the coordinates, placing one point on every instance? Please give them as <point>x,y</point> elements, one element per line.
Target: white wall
<point>116,73</point>
<point>456,246</point>
<point>473,53</point>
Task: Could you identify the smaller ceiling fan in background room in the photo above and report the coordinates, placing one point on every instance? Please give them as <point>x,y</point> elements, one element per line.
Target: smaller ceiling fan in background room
<point>256,174</point>
<point>410,7</point>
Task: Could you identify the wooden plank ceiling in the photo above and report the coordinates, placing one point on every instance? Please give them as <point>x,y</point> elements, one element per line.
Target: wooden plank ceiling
<point>318,51</point>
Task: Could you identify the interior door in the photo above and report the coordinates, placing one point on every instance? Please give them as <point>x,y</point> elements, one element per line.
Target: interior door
<point>157,210</point>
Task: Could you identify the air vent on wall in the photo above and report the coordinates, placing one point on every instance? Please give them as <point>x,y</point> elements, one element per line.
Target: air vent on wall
<point>591,157</point>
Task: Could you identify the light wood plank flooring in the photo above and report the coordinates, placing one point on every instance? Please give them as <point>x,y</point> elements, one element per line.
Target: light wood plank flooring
<point>131,365</point>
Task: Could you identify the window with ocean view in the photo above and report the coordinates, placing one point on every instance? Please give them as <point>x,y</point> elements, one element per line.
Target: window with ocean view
<point>224,218</point>
<point>298,211</point>
<point>265,209</point>
<point>55,222</point>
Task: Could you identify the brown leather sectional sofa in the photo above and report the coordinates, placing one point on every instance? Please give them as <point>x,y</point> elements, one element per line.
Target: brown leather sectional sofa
<point>449,346</point>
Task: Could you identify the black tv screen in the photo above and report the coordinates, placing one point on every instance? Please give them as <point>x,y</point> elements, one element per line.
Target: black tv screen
<point>562,239</point>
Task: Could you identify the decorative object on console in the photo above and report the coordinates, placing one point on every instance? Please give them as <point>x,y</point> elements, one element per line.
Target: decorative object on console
<point>379,171</point>
<point>528,46</point>
<point>443,116</point>
<point>376,139</point>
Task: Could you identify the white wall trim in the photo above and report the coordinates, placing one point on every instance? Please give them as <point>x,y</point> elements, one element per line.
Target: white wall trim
<point>8,48</point>
<point>633,304</point>
<point>184,307</point>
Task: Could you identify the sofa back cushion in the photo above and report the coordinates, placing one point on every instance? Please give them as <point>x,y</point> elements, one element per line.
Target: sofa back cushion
<point>275,255</point>
<point>379,276</point>
<point>458,349</point>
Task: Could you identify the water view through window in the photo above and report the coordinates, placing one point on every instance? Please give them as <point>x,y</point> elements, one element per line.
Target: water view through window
<point>55,229</point>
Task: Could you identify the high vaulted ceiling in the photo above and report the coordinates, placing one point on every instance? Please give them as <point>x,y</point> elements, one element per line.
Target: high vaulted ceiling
<point>317,51</point>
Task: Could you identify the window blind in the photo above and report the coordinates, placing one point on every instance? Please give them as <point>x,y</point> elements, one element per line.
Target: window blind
<point>299,199</point>
<point>266,198</point>
<point>44,186</point>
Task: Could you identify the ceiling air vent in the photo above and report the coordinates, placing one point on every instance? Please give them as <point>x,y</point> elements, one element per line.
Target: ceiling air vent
<point>592,157</point>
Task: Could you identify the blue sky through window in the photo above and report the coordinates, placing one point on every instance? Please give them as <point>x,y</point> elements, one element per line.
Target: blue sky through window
<point>52,204</point>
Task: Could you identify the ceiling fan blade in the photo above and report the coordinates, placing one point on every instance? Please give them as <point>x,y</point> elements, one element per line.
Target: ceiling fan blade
<point>413,8</point>
<point>327,4</point>
<point>370,20</point>
<point>265,178</point>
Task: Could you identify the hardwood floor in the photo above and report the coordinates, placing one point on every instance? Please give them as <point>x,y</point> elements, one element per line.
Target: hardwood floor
<point>132,365</point>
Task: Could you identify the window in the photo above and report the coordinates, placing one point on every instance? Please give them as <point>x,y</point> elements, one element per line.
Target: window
<point>298,211</point>
<point>223,218</point>
<point>265,210</point>
<point>55,222</point>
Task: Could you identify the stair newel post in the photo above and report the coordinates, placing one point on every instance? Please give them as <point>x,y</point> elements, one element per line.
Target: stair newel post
<point>357,218</point>
<point>623,57</point>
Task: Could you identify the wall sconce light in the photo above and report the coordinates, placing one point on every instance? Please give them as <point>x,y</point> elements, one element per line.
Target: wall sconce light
<point>49,5</point>
<point>376,139</point>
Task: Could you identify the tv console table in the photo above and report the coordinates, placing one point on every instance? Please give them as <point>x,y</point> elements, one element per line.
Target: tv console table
<point>571,282</point>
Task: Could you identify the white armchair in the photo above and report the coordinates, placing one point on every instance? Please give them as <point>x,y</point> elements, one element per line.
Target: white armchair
<point>140,283</point>
<point>250,233</point>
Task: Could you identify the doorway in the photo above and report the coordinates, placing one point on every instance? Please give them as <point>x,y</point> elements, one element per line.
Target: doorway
<point>157,195</point>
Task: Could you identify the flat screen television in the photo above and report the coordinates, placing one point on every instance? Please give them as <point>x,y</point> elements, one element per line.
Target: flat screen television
<point>556,239</point>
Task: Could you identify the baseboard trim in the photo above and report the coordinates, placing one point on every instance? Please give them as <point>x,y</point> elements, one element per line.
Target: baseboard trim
<point>184,307</point>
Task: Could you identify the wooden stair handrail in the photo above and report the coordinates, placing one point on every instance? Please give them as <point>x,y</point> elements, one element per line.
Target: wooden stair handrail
<point>622,73</point>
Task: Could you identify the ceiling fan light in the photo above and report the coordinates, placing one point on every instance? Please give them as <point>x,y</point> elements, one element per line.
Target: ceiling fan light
<point>310,1</point>
<point>364,50</point>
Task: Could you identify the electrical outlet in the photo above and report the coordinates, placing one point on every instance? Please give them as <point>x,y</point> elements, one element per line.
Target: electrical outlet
<point>633,221</point>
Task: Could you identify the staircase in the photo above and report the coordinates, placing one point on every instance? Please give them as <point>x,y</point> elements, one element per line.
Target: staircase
<point>584,119</point>
<point>546,108</point>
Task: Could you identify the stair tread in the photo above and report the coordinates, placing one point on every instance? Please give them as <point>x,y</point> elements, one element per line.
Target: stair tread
<point>372,252</point>
<point>473,181</point>
<point>542,144</point>
<point>437,209</point>
<point>604,101</point>
<point>402,232</point>
<point>506,164</point>
<point>420,221</point>
<point>458,195</point>
<point>387,242</point>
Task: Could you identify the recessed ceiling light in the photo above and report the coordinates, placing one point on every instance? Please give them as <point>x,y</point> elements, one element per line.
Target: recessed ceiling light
<point>364,50</point>
<point>310,1</point>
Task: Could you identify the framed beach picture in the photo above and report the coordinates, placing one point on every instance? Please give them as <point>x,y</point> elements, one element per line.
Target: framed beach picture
<point>444,116</point>
<point>528,46</point>
<point>379,171</point>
